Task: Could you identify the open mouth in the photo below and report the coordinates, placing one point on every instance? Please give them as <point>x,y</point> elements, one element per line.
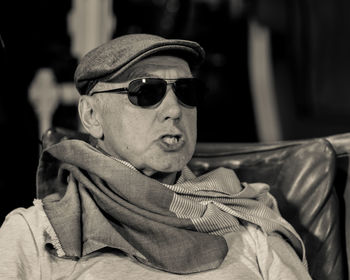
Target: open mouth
<point>172,142</point>
<point>171,139</point>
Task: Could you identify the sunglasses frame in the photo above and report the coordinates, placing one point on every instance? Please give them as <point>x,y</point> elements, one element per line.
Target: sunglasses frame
<point>172,82</point>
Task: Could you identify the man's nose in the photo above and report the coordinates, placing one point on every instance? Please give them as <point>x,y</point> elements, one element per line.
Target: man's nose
<point>170,107</point>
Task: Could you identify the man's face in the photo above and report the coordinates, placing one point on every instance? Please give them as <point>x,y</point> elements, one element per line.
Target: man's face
<point>157,139</point>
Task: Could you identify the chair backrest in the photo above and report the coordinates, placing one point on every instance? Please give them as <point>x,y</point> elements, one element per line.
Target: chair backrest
<point>301,177</point>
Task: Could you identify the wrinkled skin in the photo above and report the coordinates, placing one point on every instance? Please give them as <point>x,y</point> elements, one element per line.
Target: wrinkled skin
<point>144,136</point>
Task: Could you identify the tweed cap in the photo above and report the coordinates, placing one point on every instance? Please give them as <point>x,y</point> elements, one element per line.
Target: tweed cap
<point>114,57</point>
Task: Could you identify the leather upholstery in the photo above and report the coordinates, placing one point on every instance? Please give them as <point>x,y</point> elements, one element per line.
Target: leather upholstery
<point>301,175</point>
<point>303,178</point>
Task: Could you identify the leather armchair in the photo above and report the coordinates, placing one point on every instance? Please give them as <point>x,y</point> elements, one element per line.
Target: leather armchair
<point>309,179</point>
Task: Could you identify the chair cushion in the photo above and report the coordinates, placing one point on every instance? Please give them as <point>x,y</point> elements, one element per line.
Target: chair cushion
<point>301,179</point>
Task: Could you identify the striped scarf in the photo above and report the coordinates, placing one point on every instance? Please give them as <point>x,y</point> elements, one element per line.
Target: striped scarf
<point>94,201</point>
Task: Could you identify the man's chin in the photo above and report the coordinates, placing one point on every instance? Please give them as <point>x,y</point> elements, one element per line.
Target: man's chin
<point>150,172</point>
<point>165,167</point>
<point>165,162</point>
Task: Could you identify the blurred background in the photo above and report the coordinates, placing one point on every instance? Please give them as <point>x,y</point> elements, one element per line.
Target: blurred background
<point>275,69</point>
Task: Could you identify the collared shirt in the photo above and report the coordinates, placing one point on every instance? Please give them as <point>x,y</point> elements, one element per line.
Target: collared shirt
<point>252,255</point>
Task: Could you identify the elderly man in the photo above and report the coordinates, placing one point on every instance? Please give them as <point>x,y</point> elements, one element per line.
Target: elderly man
<point>125,205</point>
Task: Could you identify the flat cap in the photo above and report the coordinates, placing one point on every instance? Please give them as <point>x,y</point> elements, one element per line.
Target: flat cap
<point>114,57</point>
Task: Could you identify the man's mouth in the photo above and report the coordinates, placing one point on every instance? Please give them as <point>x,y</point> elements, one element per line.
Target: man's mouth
<point>172,142</point>
<point>171,139</point>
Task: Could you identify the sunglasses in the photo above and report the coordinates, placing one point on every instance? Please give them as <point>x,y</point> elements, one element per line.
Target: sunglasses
<point>146,92</point>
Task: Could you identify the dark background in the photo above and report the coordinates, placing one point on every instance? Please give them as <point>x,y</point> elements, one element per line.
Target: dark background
<point>310,50</point>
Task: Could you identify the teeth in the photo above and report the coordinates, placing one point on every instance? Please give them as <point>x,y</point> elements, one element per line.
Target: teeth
<point>170,140</point>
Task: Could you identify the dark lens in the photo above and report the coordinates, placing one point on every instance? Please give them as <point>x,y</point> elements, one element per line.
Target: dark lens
<point>189,91</point>
<point>146,92</point>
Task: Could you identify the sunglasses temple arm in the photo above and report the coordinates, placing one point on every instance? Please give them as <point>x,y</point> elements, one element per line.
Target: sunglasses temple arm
<point>116,90</point>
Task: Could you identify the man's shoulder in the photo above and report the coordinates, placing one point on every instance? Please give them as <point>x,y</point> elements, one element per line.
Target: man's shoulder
<point>20,218</point>
<point>21,244</point>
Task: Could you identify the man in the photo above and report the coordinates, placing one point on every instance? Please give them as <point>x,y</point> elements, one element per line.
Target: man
<point>124,205</point>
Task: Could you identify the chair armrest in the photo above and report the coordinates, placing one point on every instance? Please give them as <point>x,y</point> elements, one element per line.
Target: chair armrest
<point>340,143</point>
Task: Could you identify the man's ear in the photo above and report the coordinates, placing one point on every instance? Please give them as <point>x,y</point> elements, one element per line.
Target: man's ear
<point>90,116</point>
